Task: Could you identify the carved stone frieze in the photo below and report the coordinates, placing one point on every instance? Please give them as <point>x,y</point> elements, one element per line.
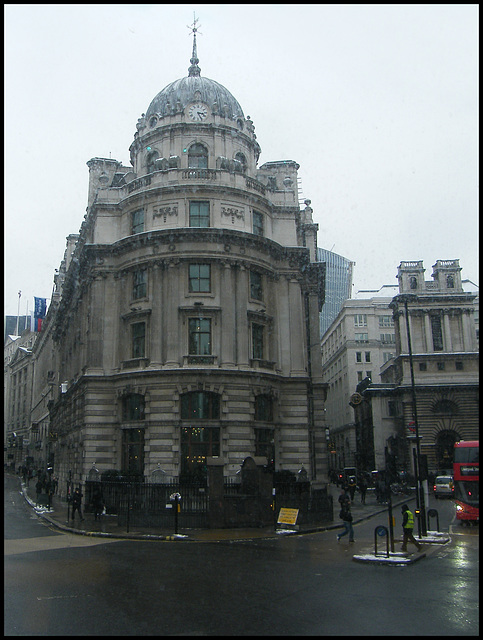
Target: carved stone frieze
<point>233,212</point>
<point>164,212</point>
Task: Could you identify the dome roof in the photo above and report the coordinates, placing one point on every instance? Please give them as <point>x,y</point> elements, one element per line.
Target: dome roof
<point>179,93</point>
<point>194,88</point>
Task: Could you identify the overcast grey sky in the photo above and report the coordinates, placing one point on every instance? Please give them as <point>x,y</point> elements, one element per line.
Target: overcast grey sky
<point>377,103</point>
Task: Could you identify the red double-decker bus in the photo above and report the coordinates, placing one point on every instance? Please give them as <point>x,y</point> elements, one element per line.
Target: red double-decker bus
<point>466,480</point>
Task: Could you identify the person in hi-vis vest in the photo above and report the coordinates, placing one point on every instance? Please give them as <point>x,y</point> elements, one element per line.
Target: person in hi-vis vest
<point>408,526</point>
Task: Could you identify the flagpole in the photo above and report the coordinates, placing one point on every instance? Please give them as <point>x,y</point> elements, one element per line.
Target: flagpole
<point>18,311</point>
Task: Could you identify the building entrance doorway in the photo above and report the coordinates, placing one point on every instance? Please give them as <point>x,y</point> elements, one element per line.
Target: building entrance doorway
<point>444,449</point>
<point>197,444</point>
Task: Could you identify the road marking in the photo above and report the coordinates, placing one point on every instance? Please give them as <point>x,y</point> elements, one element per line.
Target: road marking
<point>87,595</point>
<point>47,543</point>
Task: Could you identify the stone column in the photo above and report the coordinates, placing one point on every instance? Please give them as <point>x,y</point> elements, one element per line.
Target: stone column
<point>297,328</point>
<point>228,333</point>
<point>468,342</point>
<point>447,332</point>
<point>157,329</point>
<point>241,319</point>
<point>171,316</point>
<point>428,333</point>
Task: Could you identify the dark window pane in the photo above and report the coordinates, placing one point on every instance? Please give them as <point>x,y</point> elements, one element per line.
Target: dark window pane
<point>199,214</point>
<point>199,278</point>
<point>138,339</point>
<point>257,223</point>
<point>137,221</point>
<point>199,340</point>
<point>197,157</point>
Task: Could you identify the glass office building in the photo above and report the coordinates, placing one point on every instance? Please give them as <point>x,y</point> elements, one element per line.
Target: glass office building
<point>338,285</point>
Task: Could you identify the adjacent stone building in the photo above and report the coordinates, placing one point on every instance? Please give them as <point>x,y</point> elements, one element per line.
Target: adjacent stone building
<point>443,334</point>
<point>187,321</point>
<point>358,342</point>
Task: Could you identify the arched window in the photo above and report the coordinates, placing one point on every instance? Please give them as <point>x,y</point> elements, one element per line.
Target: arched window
<point>133,407</point>
<point>241,164</point>
<point>150,160</point>
<point>200,405</point>
<point>198,157</point>
<point>413,283</point>
<point>450,282</point>
<point>263,408</point>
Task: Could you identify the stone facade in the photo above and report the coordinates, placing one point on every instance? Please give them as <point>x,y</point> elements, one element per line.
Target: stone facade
<point>358,342</point>
<point>443,336</point>
<point>187,325</point>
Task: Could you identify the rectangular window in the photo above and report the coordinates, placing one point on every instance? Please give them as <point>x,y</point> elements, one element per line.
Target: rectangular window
<point>359,376</point>
<point>437,333</point>
<point>264,444</point>
<point>263,408</point>
<point>459,366</point>
<point>360,320</point>
<point>137,221</point>
<point>257,341</point>
<point>361,337</point>
<point>199,214</point>
<point>133,452</point>
<point>388,338</point>
<point>257,223</point>
<point>138,333</point>
<point>386,321</point>
<point>440,366</point>
<point>139,284</point>
<point>199,337</point>
<point>369,374</point>
<point>386,356</point>
<point>423,366</point>
<point>392,407</point>
<point>199,278</point>
<point>368,356</point>
<point>198,443</point>
<point>358,356</point>
<point>255,285</point>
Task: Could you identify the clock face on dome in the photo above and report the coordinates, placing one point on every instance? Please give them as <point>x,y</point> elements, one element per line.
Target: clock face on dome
<point>198,112</point>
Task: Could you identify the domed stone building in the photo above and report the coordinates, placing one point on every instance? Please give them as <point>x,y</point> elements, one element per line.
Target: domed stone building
<point>187,323</point>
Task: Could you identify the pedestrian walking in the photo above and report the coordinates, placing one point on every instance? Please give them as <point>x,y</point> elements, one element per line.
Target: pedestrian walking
<point>77,503</point>
<point>344,495</point>
<point>39,485</point>
<point>97,503</point>
<point>408,526</point>
<point>346,516</point>
<point>352,487</point>
<point>363,489</point>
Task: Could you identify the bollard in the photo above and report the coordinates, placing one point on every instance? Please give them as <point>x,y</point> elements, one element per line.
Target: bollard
<point>176,497</point>
<point>381,531</point>
<point>434,513</point>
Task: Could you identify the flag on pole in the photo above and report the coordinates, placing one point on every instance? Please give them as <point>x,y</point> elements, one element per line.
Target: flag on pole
<point>40,309</point>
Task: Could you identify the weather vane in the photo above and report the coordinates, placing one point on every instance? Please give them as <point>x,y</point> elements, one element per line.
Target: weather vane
<point>193,28</point>
<point>194,70</point>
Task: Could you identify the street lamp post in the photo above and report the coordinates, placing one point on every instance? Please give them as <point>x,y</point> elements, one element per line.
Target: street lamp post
<point>422,530</point>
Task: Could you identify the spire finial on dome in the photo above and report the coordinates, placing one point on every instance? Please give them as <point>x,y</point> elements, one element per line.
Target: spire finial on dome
<point>194,70</point>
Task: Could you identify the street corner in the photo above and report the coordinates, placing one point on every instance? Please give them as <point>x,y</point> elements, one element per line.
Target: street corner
<point>435,538</point>
<point>396,558</point>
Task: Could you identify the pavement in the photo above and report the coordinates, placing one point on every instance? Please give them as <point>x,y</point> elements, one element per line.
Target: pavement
<point>107,526</point>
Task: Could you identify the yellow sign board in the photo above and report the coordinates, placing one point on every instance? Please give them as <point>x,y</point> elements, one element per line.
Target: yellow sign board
<point>288,516</point>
